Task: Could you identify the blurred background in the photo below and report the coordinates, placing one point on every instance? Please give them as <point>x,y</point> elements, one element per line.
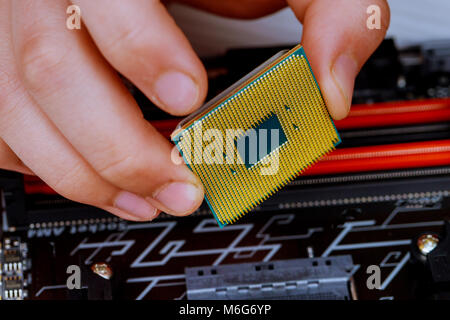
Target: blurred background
<point>412,22</point>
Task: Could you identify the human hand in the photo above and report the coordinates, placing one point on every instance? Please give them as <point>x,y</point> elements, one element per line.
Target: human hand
<point>66,117</point>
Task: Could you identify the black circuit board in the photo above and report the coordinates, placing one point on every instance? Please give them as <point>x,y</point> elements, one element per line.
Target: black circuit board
<point>148,259</point>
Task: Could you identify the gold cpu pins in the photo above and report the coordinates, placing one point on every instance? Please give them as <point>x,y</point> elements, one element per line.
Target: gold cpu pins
<point>258,135</point>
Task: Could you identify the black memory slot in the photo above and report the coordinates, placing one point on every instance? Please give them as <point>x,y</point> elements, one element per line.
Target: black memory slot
<point>392,135</point>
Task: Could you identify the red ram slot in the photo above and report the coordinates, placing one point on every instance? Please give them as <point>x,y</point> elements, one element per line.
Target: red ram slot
<point>385,157</point>
<point>373,158</point>
<point>396,113</point>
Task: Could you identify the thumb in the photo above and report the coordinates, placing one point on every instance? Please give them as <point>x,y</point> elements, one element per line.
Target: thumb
<point>338,41</point>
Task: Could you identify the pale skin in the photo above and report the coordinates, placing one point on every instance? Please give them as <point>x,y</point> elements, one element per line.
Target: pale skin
<point>66,117</point>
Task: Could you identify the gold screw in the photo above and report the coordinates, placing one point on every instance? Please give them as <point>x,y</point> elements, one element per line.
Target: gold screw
<point>427,243</point>
<point>103,270</point>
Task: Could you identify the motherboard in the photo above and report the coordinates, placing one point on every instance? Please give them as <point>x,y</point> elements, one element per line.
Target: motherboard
<point>370,221</point>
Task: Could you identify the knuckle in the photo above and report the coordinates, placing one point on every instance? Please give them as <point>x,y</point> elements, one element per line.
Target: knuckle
<point>42,61</point>
<point>9,91</point>
<point>125,169</point>
<point>8,83</point>
<point>66,184</point>
<point>11,100</point>
<point>76,185</point>
<point>7,105</point>
<point>131,38</point>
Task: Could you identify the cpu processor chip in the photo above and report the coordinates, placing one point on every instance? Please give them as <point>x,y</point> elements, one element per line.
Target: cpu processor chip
<point>258,135</point>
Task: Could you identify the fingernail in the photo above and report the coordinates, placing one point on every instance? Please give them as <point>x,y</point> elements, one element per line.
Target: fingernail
<point>135,205</point>
<point>179,197</point>
<point>344,71</point>
<point>177,91</point>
